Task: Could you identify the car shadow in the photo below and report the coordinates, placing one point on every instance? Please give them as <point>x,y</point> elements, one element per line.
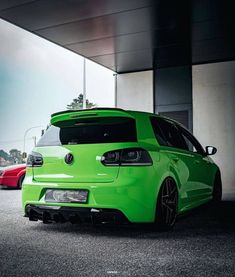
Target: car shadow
<point>207,220</point>
<point>8,188</point>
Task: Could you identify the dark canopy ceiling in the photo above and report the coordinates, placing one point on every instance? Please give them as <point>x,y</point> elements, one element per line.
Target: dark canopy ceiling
<point>131,35</point>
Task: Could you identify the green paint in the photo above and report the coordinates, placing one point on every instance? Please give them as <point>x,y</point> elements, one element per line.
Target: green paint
<point>130,189</point>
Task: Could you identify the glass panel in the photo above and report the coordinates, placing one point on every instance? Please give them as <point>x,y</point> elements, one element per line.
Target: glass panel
<point>158,132</point>
<point>168,134</point>
<point>98,130</point>
<point>192,143</point>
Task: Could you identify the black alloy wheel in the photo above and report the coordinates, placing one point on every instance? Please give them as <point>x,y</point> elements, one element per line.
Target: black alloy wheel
<point>167,205</point>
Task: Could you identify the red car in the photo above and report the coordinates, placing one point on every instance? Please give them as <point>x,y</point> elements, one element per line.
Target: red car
<point>12,176</point>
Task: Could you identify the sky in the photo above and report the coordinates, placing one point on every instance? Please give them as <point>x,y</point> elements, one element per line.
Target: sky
<point>38,78</point>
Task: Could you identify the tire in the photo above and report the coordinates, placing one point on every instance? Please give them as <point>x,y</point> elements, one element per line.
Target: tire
<point>217,189</point>
<point>19,185</point>
<point>167,206</point>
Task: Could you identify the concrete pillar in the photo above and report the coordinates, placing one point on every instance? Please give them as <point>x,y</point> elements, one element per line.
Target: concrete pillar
<point>214,114</point>
<point>134,91</point>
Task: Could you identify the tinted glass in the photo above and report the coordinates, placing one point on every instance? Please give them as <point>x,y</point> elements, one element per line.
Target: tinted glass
<point>158,132</point>
<point>88,131</point>
<point>167,133</point>
<point>192,143</point>
<point>189,144</point>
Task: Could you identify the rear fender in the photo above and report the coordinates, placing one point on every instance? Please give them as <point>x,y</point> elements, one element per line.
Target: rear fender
<point>21,173</point>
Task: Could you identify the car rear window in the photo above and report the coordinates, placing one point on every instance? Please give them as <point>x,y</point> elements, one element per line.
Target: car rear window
<point>89,131</point>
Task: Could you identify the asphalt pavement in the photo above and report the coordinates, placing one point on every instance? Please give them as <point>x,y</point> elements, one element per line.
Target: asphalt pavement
<point>201,244</point>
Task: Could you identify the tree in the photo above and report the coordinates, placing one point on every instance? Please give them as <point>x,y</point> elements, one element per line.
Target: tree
<point>77,103</point>
<point>4,155</point>
<point>16,155</point>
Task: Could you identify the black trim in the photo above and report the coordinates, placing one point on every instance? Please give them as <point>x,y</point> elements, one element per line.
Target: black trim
<point>49,214</point>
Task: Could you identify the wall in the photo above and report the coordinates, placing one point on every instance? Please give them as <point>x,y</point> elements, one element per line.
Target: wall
<point>134,91</point>
<point>214,112</point>
<point>173,93</point>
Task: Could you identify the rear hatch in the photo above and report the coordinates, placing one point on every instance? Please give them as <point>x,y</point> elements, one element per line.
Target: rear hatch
<point>87,135</point>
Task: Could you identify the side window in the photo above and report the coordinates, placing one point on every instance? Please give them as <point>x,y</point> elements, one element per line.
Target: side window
<point>158,132</point>
<point>192,143</point>
<point>189,144</point>
<point>167,133</point>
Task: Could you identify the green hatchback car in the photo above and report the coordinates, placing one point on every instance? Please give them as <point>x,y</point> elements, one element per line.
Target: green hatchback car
<point>103,165</point>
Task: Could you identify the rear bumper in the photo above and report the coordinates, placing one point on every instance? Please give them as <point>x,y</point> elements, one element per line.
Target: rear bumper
<point>133,193</point>
<point>61,214</point>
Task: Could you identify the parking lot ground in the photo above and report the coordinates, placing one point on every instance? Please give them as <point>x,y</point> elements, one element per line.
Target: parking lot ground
<point>201,244</point>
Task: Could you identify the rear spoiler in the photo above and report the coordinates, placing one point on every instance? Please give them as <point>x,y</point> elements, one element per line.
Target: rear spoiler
<point>84,110</point>
<point>88,113</point>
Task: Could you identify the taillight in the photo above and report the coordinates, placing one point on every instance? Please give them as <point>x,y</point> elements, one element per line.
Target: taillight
<point>34,160</point>
<point>125,157</point>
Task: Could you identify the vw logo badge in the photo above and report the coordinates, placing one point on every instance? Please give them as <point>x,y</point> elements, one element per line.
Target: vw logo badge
<point>68,158</point>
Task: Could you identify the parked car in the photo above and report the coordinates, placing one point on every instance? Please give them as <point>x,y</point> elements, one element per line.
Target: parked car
<point>12,176</point>
<point>112,164</point>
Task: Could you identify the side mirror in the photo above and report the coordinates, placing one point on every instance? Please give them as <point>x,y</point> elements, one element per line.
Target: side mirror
<point>24,155</point>
<point>211,150</point>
